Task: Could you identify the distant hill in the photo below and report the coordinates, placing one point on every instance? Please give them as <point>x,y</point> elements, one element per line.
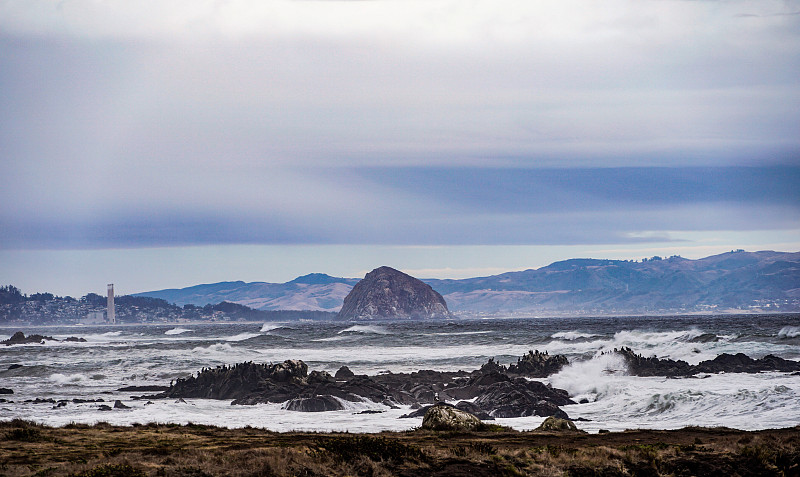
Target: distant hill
<point>734,281</point>
<point>316,292</point>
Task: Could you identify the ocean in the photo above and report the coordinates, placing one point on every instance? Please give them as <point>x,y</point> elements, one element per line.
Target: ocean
<point>128,355</point>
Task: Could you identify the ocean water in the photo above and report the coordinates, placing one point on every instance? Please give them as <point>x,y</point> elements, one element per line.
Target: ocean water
<point>117,356</point>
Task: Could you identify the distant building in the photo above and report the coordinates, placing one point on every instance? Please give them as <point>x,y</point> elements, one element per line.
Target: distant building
<point>94,318</point>
<point>111,317</point>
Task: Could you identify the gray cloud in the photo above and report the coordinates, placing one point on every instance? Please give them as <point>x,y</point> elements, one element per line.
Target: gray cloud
<point>171,123</point>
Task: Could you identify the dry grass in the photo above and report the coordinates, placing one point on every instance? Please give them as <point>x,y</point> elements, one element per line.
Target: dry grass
<point>102,450</point>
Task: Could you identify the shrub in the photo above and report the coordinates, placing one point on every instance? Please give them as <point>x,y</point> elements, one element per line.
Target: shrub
<point>112,470</point>
<point>374,448</point>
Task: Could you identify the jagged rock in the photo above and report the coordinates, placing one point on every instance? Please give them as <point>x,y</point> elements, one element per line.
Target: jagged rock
<point>325,402</point>
<point>493,366</point>
<point>6,391</point>
<point>724,363</point>
<point>495,394</point>
<point>20,338</point>
<point>14,366</point>
<point>638,365</point>
<point>520,398</point>
<point>344,373</point>
<point>473,409</point>
<point>118,405</point>
<point>538,365</point>
<point>448,418</point>
<point>104,407</point>
<point>386,293</point>
<point>555,424</point>
<point>319,377</point>
<point>240,380</point>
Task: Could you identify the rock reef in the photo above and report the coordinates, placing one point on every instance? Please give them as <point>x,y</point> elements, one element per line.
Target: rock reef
<point>20,338</point>
<point>493,393</point>
<point>639,365</point>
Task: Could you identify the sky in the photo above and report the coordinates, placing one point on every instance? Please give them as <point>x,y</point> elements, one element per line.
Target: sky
<point>163,144</point>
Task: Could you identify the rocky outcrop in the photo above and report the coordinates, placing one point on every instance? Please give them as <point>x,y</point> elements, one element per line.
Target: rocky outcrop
<point>20,338</point>
<point>386,293</point>
<point>494,394</point>
<point>344,373</point>
<point>555,424</point>
<point>638,365</point>
<point>532,365</point>
<point>325,402</point>
<point>281,381</point>
<point>538,365</point>
<point>520,398</point>
<point>448,418</point>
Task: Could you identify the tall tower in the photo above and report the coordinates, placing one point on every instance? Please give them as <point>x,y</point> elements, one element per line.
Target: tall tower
<point>110,305</point>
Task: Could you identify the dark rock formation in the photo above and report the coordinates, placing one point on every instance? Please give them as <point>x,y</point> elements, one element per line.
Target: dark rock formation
<point>119,405</point>
<point>520,397</point>
<point>495,394</point>
<point>724,363</point>
<point>344,373</point>
<point>532,365</point>
<point>14,366</point>
<point>325,402</point>
<point>20,338</point>
<point>538,365</point>
<point>448,418</point>
<point>386,293</point>
<point>6,391</point>
<point>238,381</point>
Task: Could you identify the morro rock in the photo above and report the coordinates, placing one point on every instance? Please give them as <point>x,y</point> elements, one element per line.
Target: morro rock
<point>386,293</point>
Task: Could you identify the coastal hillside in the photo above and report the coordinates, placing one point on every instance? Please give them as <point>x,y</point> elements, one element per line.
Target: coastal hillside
<point>730,282</point>
<point>316,291</point>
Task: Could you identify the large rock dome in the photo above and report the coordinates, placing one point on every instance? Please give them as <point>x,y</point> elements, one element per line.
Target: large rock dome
<point>386,293</point>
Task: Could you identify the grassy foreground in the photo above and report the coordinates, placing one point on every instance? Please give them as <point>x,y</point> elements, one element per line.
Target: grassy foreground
<point>103,450</point>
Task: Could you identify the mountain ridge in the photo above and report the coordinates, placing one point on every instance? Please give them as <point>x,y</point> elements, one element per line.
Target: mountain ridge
<point>733,281</point>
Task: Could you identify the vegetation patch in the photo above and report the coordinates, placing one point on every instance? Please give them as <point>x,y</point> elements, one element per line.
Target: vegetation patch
<point>377,449</point>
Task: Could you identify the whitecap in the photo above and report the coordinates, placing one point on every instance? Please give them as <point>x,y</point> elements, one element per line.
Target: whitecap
<point>365,329</point>
<point>177,331</point>
<point>571,335</point>
<point>270,326</point>
<point>241,337</point>
<point>789,332</point>
<point>59,378</point>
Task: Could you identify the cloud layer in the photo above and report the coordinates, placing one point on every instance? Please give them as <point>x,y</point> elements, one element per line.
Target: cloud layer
<point>135,124</point>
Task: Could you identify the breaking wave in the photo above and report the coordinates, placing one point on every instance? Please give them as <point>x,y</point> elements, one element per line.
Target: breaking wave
<point>177,331</point>
<point>366,329</point>
<point>789,332</point>
<point>571,335</point>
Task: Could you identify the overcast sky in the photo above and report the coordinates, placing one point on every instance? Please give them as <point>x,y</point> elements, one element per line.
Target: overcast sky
<point>167,143</point>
